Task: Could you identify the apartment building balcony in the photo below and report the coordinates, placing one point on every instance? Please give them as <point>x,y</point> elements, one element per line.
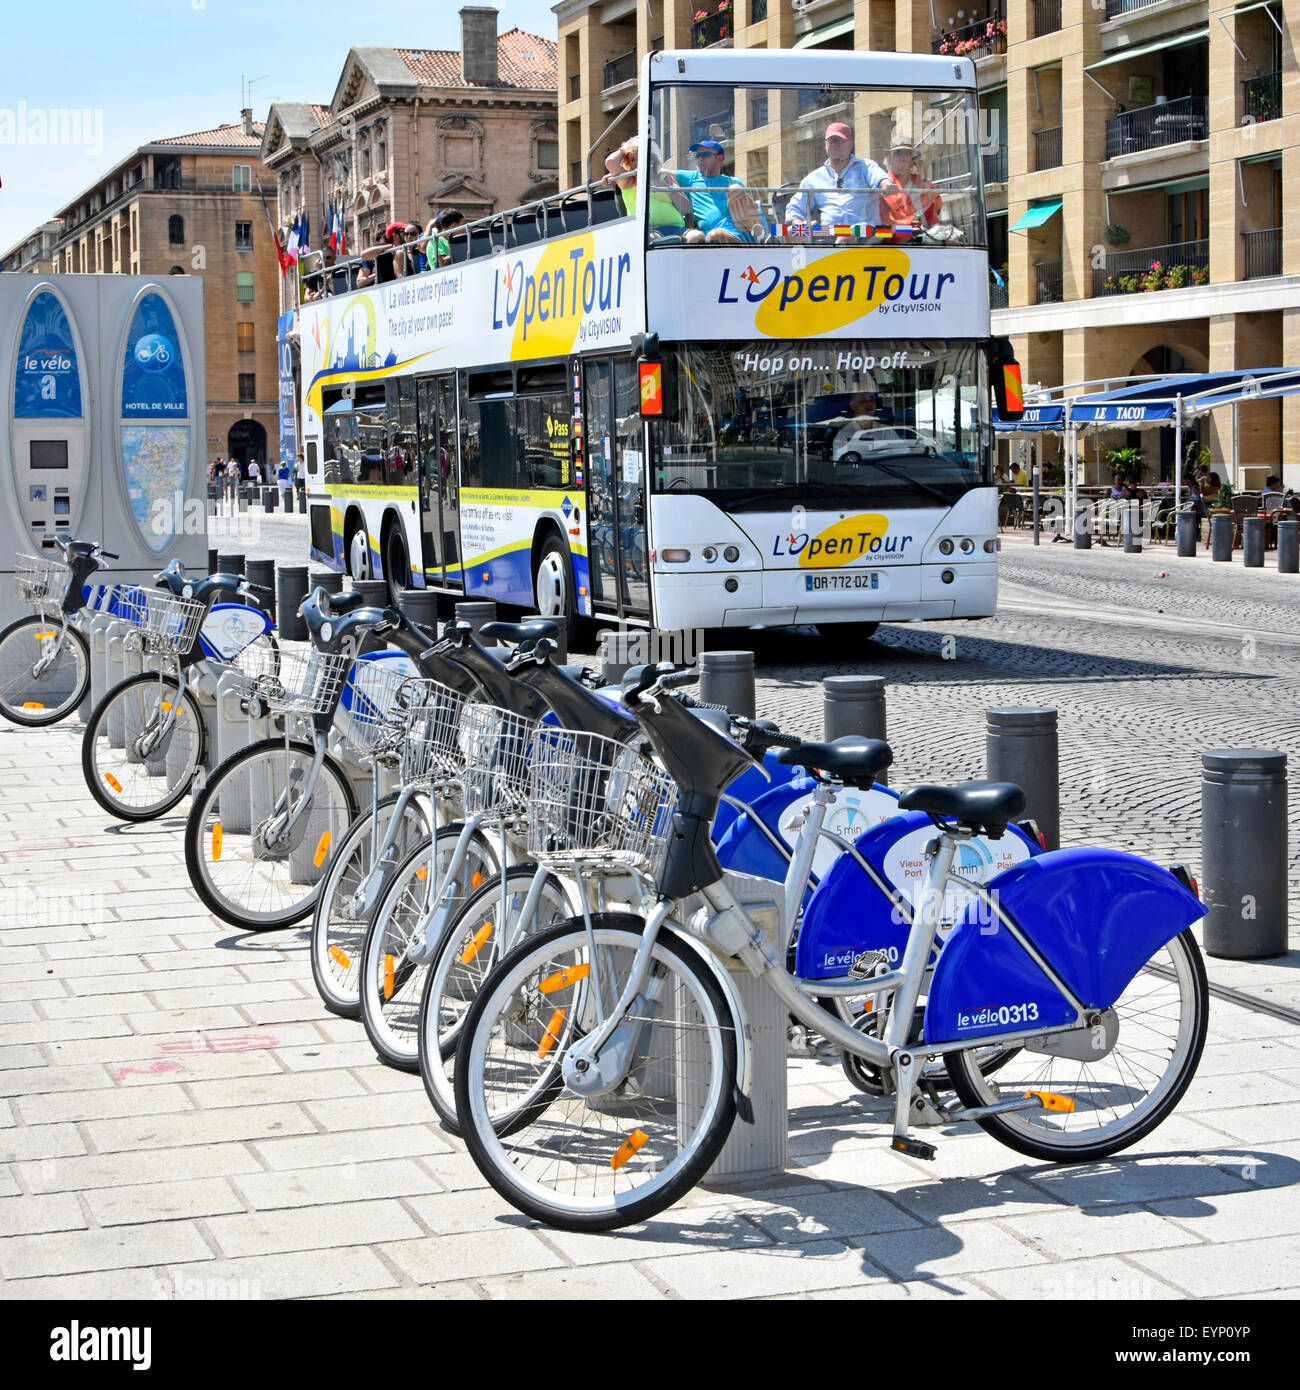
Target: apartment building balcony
<point>995,166</point>
<point>1153,127</point>
<point>1263,96</point>
<point>1047,148</point>
<point>757,11</point>
<point>1117,8</point>
<point>1047,17</point>
<point>619,70</point>
<point>711,29</point>
<point>1263,253</point>
<point>1049,282</point>
<point>978,39</point>
<point>1177,265</point>
<point>999,292</point>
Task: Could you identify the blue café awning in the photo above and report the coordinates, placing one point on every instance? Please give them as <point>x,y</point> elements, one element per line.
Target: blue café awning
<point>1152,402</point>
<point>1036,417</point>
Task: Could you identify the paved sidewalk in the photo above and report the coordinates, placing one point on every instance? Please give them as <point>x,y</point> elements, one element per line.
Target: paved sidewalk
<point>182,1119</point>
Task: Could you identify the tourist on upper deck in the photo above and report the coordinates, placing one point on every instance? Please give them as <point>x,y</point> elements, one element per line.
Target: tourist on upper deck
<point>843,190</point>
<point>715,213</point>
<point>437,250</point>
<point>667,209</point>
<point>918,201</point>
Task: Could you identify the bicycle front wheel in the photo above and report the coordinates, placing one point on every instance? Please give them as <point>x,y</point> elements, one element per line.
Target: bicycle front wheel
<point>598,1161</point>
<point>38,686</point>
<point>259,833</point>
<point>1139,1061</point>
<point>142,747</point>
<point>338,932</point>
<point>474,942</point>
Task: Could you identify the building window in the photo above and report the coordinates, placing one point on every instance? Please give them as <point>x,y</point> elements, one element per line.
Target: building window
<point>1189,215</point>
<point>247,387</point>
<point>548,154</point>
<point>241,178</point>
<point>243,236</point>
<point>244,286</point>
<point>176,229</point>
<point>244,337</point>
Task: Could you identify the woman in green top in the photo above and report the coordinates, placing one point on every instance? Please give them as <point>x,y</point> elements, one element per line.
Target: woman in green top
<point>441,223</point>
<point>667,216</point>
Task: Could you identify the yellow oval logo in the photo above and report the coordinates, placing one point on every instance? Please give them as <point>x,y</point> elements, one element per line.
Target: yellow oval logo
<point>546,304</point>
<point>843,542</point>
<point>832,291</point>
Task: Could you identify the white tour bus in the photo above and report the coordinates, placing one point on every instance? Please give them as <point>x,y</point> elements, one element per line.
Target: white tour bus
<point>747,384</point>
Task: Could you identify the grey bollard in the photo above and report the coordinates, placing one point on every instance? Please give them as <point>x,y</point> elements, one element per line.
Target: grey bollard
<point>1082,528</point>
<point>213,567</point>
<point>1221,536</point>
<point>243,499</point>
<point>230,564</point>
<point>421,608</point>
<point>263,572</point>
<point>1252,542</point>
<point>1288,547</point>
<point>1188,524</point>
<point>268,499</point>
<point>374,590</point>
<point>1132,529</point>
<point>476,612</point>
<point>290,590</point>
<point>302,501</point>
<point>611,655</point>
<point>727,679</point>
<point>854,705</point>
<point>561,638</point>
<point>1244,852</point>
<point>329,580</point>
<point>1020,746</point>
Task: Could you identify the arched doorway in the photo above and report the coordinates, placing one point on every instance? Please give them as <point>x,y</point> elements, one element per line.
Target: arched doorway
<point>247,442</point>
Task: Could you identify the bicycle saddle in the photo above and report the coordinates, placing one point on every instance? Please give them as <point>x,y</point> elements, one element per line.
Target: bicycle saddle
<point>331,631</point>
<point>853,759</point>
<point>986,806</point>
<point>521,634</point>
<point>349,602</point>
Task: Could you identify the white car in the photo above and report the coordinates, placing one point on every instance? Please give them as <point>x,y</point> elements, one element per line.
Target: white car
<point>882,440</point>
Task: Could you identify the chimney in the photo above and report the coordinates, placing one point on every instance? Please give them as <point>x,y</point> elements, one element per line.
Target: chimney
<point>246,120</point>
<point>478,44</point>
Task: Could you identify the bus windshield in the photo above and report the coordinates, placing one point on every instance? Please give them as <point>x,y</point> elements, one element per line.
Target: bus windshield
<point>839,164</point>
<point>767,425</point>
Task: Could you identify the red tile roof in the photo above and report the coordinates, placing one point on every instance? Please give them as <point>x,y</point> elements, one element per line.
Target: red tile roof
<point>322,114</point>
<point>523,60</point>
<point>223,135</point>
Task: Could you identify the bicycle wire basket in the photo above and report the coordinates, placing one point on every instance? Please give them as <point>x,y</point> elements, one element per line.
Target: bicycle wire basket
<point>593,800</point>
<point>496,744</point>
<point>165,625</point>
<point>375,698</point>
<point>39,580</point>
<point>432,750</point>
<point>307,682</point>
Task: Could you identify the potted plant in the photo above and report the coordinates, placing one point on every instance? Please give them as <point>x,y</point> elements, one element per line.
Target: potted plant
<point>1127,464</point>
<point>1117,236</point>
<point>1223,498</point>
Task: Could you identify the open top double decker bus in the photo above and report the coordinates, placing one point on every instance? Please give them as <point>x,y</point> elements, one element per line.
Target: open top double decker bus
<point>749,384</point>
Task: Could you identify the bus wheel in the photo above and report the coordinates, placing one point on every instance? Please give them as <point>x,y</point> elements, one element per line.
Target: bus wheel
<point>553,581</point>
<point>397,565</point>
<point>359,553</point>
<point>847,632</point>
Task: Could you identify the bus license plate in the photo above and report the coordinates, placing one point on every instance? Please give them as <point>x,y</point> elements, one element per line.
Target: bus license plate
<point>812,582</point>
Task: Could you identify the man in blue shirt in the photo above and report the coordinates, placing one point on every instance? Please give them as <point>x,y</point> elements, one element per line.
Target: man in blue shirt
<point>712,213</point>
<point>843,189</point>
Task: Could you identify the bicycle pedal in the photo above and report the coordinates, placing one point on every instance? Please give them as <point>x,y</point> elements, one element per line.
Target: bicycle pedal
<point>913,1148</point>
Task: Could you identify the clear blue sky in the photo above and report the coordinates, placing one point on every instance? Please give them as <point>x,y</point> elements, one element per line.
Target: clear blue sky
<point>148,68</point>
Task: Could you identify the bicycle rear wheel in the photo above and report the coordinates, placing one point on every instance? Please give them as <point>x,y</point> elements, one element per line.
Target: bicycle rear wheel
<point>596,1162</point>
<point>135,765</point>
<point>258,835</point>
<point>32,694</point>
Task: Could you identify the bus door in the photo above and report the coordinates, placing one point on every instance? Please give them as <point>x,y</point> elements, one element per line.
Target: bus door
<point>616,510</point>
<point>439,510</point>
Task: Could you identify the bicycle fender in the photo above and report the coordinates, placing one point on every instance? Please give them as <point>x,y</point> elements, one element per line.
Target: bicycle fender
<point>848,914</point>
<point>748,787</point>
<point>1095,915</point>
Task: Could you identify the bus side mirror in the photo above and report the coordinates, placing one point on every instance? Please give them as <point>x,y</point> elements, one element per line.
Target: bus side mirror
<point>1004,372</point>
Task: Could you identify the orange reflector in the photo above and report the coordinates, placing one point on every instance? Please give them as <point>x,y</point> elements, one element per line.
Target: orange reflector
<point>422,872</point>
<point>166,704</point>
<point>869,1006</point>
<point>561,978</point>
<point>476,879</point>
<point>322,849</point>
<point>340,957</point>
<point>475,943</point>
<point>43,636</point>
<point>552,1034</point>
<point>32,704</point>
<point>216,841</point>
<point>112,782</point>
<point>388,977</point>
<point>1051,1101</point>
<point>629,1147</point>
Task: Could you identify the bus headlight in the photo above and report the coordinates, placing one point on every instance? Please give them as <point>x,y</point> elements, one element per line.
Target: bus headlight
<point>710,553</point>
<point>731,554</point>
<point>732,585</point>
<point>948,576</point>
<point>967,546</point>
<point>945,547</point>
<point>990,547</point>
<point>676,557</point>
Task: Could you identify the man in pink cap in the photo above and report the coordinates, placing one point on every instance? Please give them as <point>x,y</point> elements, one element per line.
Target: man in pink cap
<point>843,189</point>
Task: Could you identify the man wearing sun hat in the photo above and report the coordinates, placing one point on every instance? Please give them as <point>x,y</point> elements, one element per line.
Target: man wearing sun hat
<point>843,189</point>
<point>713,211</point>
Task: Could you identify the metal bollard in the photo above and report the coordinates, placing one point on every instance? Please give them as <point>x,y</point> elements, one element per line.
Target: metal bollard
<point>290,590</point>
<point>1221,536</point>
<point>1082,528</point>
<point>1020,746</point>
<point>1188,525</point>
<point>476,612</point>
<point>263,572</point>
<point>230,564</point>
<point>329,580</point>
<point>727,679</point>
<point>1288,547</point>
<point>268,499</point>
<point>302,501</point>
<point>1132,528</point>
<point>374,590</point>
<point>1244,852</point>
<point>1252,542</point>
<point>421,608</point>
<point>611,656</point>
<point>854,705</point>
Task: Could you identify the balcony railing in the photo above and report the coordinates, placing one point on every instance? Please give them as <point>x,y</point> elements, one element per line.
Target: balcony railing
<point>1149,127</point>
<point>1049,282</point>
<point>1047,17</point>
<point>1047,148</point>
<point>1115,8</point>
<point>977,39</point>
<point>1263,96</point>
<point>757,11</point>
<point>1263,253</point>
<point>1179,265</point>
<point>995,166</point>
<point>575,85</point>
<point>620,69</point>
<point>710,30</point>
<point>999,294</point>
